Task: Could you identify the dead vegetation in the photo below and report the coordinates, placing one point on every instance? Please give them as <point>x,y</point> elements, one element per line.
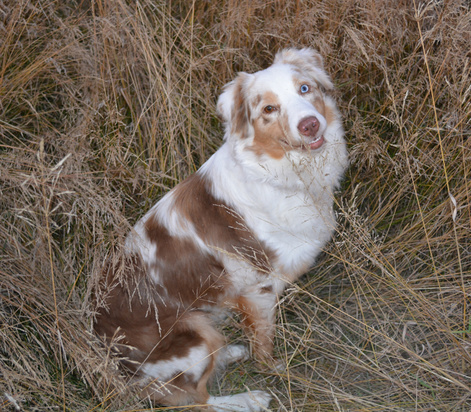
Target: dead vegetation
<point>106,104</point>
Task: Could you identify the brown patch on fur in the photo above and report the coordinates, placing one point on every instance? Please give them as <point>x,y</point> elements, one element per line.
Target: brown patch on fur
<point>151,327</point>
<point>303,62</point>
<point>325,110</point>
<point>149,332</point>
<point>257,100</point>
<point>330,114</point>
<point>134,311</point>
<point>177,392</point>
<point>217,224</point>
<point>268,131</point>
<point>319,104</point>
<point>269,98</point>
<point>188,274</point>
<point>187,391</point>
<point>267,139</point>
<point>241,112</point>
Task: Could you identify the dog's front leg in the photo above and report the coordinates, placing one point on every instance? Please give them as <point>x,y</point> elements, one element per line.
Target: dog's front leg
<point>257,310</point>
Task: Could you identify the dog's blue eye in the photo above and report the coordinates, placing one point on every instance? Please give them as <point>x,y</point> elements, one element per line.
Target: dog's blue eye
<point>304,88</point>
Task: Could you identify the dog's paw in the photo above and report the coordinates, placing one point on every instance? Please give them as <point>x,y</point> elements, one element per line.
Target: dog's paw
<point>234,353</point>
<point>255,401</point>
<point>261,398</point>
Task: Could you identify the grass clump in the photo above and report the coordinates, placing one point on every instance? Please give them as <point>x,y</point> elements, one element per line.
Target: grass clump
<point>104,105</point>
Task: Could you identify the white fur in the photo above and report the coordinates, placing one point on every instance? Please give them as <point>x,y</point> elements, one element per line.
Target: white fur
<point>194,364</point>
<point>243,402</point>
<point>291,213</point>
<point>233,353</point>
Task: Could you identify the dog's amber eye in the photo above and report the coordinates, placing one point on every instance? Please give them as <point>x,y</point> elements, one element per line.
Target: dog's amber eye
<point>269,109</point>
<point>304,88</point>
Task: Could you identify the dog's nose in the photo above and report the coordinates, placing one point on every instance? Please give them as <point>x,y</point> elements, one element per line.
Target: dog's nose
<point>309,126</point>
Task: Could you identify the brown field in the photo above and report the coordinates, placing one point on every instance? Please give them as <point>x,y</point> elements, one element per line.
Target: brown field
<point>105,104</point>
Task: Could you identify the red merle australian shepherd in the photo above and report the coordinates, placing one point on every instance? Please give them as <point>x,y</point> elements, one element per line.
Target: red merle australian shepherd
<point>249,222</point>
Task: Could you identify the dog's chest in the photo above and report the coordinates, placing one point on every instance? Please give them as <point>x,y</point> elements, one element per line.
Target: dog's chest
<point>294,227</point>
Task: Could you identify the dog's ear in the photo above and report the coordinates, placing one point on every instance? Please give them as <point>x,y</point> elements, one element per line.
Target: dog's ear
<point>233,106</point>
<point>308,61</point>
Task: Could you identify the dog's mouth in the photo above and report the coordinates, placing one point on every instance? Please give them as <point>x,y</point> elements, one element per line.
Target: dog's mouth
<point>316,143</point>
<point>313,144</point>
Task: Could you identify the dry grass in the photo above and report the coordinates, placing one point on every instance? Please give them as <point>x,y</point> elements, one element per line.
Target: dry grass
<point>105,104</point>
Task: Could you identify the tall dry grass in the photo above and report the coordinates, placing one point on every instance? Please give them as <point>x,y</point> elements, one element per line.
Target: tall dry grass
<point>105,104</point>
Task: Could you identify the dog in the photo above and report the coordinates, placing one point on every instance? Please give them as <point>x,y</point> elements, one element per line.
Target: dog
<point>231,236</point>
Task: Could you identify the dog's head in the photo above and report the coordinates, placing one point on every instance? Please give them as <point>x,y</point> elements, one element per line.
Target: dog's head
<point>283,108</point>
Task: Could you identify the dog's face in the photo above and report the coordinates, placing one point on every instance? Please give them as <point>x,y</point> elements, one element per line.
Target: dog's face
<point>283,108</point>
